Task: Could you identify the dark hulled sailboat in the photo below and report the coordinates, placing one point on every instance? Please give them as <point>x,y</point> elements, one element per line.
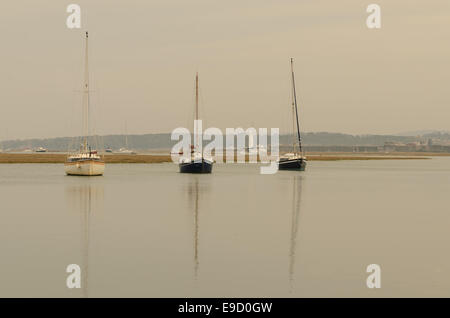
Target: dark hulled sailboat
<point>295,160</point>
<point>196,163</point>
<point>199,165</point>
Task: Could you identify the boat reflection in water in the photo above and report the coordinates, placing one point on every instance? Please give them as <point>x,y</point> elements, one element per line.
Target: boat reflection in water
<point>84,199</point>
<point>296,200</point>
<point>193,196</point>
<point>195,185</point>
<point>198,185</point>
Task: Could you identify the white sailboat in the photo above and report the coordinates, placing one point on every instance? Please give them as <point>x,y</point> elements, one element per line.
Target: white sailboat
<point>252,148</point>
<point>41,149</point>
<point>125,150</point>
<point>86,161</point>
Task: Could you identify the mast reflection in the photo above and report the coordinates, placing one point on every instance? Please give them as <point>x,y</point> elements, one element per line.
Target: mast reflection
<point>197,186</point>
<point>193,193</point>
<point>296,199</point>
<point>84,199</point>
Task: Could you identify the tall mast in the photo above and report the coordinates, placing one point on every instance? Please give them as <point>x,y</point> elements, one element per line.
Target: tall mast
<point>86,97</point>
<point>196,108</point>
<point>196,96</point>
<point>293,120</point>
<point>295,104</point>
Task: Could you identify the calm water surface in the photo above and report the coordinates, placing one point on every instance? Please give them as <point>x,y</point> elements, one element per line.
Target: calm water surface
<point>148,231</point>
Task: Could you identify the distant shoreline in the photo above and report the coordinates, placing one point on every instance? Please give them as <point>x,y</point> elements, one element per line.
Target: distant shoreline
<point>6,158</point>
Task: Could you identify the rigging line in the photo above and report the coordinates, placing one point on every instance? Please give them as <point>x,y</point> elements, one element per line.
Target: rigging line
<point>69,144</point>
<point>94,126</point>
<point>293,120</point>
<point>191,117</point>
<point>202,110</point>
<point>100,135</point>
<point>296,108</point>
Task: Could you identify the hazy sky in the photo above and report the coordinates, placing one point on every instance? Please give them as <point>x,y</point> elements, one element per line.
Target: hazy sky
<point>144,55</point>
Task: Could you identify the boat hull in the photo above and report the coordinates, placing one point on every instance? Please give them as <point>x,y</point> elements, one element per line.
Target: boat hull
<point>292,164</point>
<point>85,168</point>
<point>200,166</point>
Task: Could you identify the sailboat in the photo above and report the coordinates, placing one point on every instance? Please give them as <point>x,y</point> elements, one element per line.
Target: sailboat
<point>40,149</point>
<point>86,161</point>
<point>197,163</point>
<point>295,160</point>
<point>125,150</point>
<point>253,146</point>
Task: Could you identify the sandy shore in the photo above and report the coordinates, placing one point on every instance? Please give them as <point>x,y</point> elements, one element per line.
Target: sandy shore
<point>118,158</point>
<point>61,158</point>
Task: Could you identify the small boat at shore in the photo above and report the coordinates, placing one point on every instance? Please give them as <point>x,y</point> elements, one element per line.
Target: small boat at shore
<point>197,162</point>
<point>126,151</point>
<point>86,161</point>
<point>41,149</point>
<point>295,160</point>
